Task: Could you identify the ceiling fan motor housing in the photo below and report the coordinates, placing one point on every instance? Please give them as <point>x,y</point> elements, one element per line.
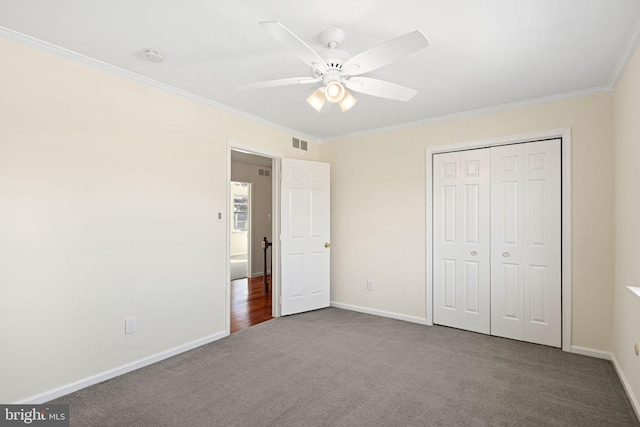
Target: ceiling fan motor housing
<point>334,57</point>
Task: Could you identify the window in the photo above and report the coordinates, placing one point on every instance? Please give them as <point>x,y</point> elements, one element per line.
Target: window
<point>240,212</point>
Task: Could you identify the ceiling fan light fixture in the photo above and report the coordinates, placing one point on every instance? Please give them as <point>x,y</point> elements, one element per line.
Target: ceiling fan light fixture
<point>317,99</point>
<point>334,91</point>
<point>347,102</point>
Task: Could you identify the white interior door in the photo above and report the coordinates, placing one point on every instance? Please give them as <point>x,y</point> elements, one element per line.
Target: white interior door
<point>461,236</point>
<point>526,275</point>
<point>305,233</point>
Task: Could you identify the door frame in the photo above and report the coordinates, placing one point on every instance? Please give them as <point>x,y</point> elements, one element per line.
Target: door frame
<point>275,226</point>
<point>565,135</point>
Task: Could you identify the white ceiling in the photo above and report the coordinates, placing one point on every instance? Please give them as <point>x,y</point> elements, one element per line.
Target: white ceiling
<point>484,53</point>
<point>253,159</point>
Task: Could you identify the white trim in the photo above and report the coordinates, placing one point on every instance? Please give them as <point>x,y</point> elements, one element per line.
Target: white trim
<point>627,387</point>
<point>428,274</point>
<point>585,351</point>
<point>567,241</point>
<point>625,56</point>
<point>381,313</point>
<point>276,215</point>
<point>227,227</point>
<point>275,224</point>
<point>33,42</point>
<point>249,149</point>
<point>503,140</point>
<point>478,112</point>
<point>250,233</point>
<point>565,134</point>
<point>121,370</point>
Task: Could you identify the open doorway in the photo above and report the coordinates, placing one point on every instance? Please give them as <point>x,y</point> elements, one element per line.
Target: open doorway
<point>240,229</point>
<point>250,216</point>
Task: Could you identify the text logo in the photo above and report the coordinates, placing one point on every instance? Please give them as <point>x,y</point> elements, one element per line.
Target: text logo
<point>34,415</point>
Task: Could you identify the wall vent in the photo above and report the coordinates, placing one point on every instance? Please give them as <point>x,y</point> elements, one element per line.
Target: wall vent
<point>299,143</point>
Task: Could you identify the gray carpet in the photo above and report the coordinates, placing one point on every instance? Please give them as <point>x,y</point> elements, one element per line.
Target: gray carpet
<point>239,269</point>
<point>334,367</point>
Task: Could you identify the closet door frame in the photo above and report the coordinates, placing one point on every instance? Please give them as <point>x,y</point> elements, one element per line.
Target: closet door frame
<point>565,135</point>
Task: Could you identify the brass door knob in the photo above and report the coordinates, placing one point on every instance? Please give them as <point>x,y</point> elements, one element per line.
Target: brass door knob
<point>327,245</point>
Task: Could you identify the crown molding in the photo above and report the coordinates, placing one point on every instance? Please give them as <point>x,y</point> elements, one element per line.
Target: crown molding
<point>480,111</point>
<point>625,56</point>
<point>56,50</point>
<point>629,49</point>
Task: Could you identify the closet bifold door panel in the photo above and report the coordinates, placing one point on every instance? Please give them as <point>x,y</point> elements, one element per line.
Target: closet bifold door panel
<point>497,241</point>
<point>461,236</point>
<point>526,242</point>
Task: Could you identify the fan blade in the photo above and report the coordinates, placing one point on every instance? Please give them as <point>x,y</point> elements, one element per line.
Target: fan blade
<point>379,88</point>
<point>279,82</point>
<point>293,42</point>
<point>385,53</point>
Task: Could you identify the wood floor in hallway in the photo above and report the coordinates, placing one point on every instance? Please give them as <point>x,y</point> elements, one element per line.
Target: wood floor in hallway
<point>249,303</point>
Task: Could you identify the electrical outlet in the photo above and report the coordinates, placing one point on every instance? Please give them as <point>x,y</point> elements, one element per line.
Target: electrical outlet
<point>129,325</point>
<point>370,285</point>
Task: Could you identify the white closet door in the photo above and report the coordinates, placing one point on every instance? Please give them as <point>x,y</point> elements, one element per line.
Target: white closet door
<point>461,240</point>
<point>507,200</point>
<point>543,236</point>
<point>526,242</point>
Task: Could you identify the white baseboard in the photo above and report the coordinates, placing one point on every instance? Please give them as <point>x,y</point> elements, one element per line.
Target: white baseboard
<point>259,274</point>
<point>381,313</point>
<point>112,373</point>
<point>627,387</point>
<point>585,351</point>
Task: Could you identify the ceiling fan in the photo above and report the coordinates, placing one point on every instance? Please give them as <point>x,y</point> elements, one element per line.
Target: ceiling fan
<point>337,70</point>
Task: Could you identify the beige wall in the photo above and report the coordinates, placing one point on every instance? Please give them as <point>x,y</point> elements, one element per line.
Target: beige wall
<point>108,194</point>
<point>626,331</point>
<point>378,209</point>
<point>261,211</point>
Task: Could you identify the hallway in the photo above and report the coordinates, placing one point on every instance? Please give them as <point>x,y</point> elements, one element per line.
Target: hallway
<point>249,304</point>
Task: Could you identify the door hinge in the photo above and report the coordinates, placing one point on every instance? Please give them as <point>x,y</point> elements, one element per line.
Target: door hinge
<point>280,300</point>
